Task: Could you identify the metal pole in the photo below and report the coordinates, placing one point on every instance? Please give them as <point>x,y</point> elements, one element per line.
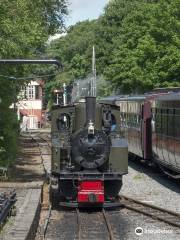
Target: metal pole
<point>93,92</point>
<point>64,95</point>
<point>78,91</point>
<point>57,99</point>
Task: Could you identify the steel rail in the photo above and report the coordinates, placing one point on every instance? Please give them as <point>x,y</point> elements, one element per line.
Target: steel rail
<point>42,161</point>
<point>46,140</point>
<point>48,177</point>
<point>47,221</point>
<point>78,223</point>
<point>108,225</point>
<point>111,237</point>
<point>159,213</point>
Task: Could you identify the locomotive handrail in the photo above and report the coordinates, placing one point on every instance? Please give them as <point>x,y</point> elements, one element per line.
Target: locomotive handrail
<point>31,61</point>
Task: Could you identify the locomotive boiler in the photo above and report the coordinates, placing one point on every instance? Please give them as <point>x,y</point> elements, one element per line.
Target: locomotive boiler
<point>89,157</point>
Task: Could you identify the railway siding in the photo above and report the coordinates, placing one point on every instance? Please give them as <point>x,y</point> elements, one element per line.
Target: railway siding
<point>26,220</point>
<point>28,177</point>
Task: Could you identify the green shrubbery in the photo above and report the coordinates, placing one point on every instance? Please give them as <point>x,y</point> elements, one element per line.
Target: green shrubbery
<point>9,132</point>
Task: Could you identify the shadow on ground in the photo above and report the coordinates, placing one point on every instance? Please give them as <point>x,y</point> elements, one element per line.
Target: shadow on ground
<point>155,173</point>
<point>28,166</point>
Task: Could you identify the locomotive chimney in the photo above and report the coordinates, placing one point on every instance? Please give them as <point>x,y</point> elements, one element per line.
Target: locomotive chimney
<point>90,109</point>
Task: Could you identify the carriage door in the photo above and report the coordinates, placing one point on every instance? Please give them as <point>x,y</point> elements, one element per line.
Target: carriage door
<point>146,131</point>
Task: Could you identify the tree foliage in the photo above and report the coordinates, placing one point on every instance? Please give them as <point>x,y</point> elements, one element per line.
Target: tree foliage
<point>75,52</point>
<point>24,29</point>
<point>137,46</point>
<point>146,52</point>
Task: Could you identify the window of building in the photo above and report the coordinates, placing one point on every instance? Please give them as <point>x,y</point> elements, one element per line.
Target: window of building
<point>30,92</point>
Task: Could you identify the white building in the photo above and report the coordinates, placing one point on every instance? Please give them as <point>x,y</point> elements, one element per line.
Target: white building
<point>30,106</point>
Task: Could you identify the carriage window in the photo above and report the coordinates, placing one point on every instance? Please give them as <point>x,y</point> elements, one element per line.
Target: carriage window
<point>63,122</point>
<point>158,120</point>
<point>164,126</point>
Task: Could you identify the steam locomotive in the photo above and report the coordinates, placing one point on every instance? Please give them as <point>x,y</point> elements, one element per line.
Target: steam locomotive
<point>151,123</point>
<point>89,157</point>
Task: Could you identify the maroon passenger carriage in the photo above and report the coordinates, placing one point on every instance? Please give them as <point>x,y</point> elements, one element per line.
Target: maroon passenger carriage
<point>151,123</point>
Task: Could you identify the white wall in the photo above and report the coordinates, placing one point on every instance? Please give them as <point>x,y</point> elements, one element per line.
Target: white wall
<point>30,104</point>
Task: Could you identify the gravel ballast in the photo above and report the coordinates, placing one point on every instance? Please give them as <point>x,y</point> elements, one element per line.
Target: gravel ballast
<point>149,185</point>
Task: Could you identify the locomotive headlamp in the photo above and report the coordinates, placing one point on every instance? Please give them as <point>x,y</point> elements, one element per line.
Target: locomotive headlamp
<point>91,128</point>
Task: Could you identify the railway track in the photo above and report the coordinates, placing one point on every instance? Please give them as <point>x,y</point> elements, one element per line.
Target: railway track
<point>7,201</point>
<point>78,224</point>
<point>44,150</point>
<point>33,165</point>
<point>101,228</point>
<point>152,211</point>
<point>104,224</point>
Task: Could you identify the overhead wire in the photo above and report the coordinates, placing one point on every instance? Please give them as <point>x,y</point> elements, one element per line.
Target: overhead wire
<point>27,78</point>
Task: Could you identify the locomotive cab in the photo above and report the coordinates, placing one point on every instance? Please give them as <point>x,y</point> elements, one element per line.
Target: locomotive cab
<point>89,156</point>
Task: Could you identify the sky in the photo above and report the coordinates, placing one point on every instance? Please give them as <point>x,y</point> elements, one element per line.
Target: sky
<point>84,9</point>
<point>80,10</point>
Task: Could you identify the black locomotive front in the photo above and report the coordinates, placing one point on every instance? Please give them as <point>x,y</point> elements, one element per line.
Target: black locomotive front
<point>88,158</point>
<point>90,151</point>
<point>90,147</point>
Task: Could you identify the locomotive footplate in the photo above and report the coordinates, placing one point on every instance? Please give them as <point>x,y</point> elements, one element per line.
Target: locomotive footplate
<point>106,205</point>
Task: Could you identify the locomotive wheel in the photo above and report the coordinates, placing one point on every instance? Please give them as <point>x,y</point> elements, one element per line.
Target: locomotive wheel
<point>68,189</point>
<point>54,195</point>
<point>112,189</point>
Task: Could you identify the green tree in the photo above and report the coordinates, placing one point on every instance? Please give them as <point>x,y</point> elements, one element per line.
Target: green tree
<point>75,52</point>
<point>137,46</point>
<point>146,51</point>
<point>24,30</point>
